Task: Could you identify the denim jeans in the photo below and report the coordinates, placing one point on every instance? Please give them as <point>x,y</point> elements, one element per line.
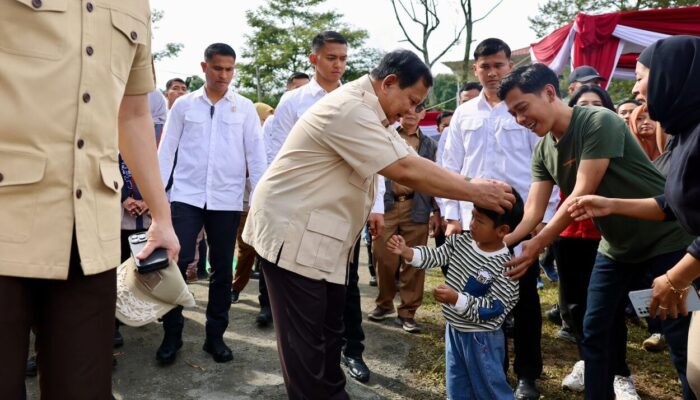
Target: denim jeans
<point>604,322</point>
<point>474,365</point>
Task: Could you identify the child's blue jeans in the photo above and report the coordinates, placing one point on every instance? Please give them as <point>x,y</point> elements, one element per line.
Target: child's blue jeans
<point>474,365</point>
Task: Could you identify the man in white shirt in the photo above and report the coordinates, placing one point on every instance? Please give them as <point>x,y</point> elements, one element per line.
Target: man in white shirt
<point>159,111</point>
<point>216,135</point>
<point>328,56</point>
<point>484,141</point>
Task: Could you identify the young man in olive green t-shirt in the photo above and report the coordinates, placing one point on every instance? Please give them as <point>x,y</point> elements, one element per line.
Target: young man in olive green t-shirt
<point>591,151</point>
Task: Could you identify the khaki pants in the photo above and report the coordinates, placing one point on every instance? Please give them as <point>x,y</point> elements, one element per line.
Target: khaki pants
<point>693,371</point>
<point>398,222</point>
<point>245,258</point>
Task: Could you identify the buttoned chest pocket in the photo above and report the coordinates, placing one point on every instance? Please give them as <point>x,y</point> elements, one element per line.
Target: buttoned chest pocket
<point>514,137</point>
<point>34,28</point>
<point>128,31</point>
<point>322,242</point>
<point>232,124</point>
<point>473,140</point>
<point>194,125</point>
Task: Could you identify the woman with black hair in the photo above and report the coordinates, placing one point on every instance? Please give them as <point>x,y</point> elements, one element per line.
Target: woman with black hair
<point>592,95</point>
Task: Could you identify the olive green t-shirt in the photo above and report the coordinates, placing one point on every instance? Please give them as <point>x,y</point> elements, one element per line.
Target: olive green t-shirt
<point>597,133</point>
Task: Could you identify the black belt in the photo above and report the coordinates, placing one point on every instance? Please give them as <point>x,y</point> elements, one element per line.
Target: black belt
<point>404,197</point>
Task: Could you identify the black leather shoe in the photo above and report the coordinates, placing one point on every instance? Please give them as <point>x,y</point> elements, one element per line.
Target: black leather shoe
<point>264,318</point>
<point>356,368</point>
<point>526,390</point>
<point>554,315</point>
<point>118,338</point>
<point>218,349</point>
<point>31,366</point>
<point>234,296</point>
<point>167,352</point>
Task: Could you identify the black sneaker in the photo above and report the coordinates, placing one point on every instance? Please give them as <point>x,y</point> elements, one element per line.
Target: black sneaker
<point>409,325</point>
<point>234,296</point>
<point>373,281</point>
<point>379,314</point>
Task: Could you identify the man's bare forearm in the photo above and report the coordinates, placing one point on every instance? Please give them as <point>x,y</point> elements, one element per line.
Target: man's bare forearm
<point>425,176</point>
<point>137,146</point>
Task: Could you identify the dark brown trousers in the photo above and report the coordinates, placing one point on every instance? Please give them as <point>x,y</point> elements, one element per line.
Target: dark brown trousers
<point>75,326</point>
<point>308,317</point>
<point>245,258</point>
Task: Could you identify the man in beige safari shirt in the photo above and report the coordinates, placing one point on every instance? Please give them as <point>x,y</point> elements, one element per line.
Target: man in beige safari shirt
<point>313,201</point>
<point>70,71</point>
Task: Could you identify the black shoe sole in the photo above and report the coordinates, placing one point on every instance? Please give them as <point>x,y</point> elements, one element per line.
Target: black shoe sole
<point>169,360</point>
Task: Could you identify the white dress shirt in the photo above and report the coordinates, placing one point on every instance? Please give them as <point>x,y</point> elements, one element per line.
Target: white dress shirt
<point>158,106</point>
<point>486,142</point>
<point>291,107</point>
<point>214,144</point>
<point>438,160</point>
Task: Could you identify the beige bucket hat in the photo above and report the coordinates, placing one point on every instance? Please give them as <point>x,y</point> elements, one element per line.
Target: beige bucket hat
<point>143,298</point>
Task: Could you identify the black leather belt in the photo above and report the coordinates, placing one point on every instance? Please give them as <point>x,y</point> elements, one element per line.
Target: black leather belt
<point>404,197</point>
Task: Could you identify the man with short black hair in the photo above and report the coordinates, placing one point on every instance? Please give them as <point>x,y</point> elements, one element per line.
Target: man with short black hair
<point>312,203</point>
<point>174,89</point>
<point>468,91</point>
<point>484,141</point>
<point>625,108</point>
<point>590,150</point>
<point>216,135</point>
<point>583,75</point>
<point>297,80</point>
<point>329,54</point>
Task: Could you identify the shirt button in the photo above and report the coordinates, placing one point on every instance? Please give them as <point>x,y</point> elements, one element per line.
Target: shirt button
<point>86,97</point>
<point>116,185</point>
<point>89,50</point>
<point>36,3</point>
<point>89,7</point>
<point>81,143</point>
<point>134,35</point>
<point>78,193</point>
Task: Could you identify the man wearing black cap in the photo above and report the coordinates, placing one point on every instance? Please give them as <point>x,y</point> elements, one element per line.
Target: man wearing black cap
<point>583,75</point>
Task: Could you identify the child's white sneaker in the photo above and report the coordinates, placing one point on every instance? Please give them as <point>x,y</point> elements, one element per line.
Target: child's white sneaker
<point>574,381</point>
<point>624,388</point>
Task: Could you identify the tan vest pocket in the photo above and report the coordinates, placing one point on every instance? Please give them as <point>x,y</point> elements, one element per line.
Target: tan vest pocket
<point>322,242</point>
<point>19,175</point>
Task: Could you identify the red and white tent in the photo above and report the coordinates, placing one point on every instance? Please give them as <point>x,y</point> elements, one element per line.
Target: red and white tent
<point>612,42</point>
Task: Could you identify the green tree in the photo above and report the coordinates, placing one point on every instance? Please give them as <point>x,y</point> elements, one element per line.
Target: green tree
<point>280,43</point>
<point>171,49</point>
<point>361,62</point>
<point>553,14</point>
<point>445,87</point>
<point>194,82</point>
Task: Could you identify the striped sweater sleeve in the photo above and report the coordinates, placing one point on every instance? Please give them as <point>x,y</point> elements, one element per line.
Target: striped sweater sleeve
<point>435,257</point>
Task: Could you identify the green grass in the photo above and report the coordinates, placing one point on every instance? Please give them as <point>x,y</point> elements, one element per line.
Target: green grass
<point>653,373</point>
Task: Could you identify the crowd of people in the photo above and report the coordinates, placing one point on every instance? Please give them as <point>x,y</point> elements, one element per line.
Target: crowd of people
<point>606,191</point>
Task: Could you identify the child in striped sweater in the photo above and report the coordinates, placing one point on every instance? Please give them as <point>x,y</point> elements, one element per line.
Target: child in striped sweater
<point>475,300</point>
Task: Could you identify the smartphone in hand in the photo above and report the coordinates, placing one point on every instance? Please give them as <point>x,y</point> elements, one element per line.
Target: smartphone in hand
<point>155,261</point>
